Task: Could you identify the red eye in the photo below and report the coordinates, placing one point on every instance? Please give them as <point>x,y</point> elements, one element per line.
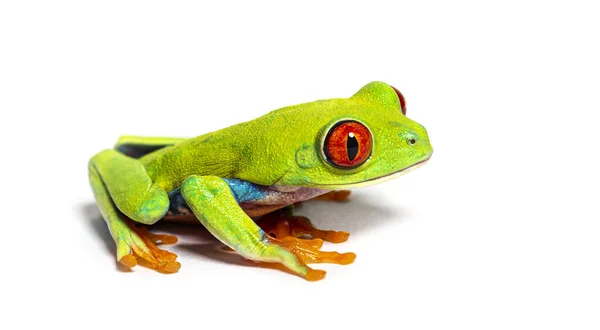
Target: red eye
<point>402,100</point>
<point>348,144</point>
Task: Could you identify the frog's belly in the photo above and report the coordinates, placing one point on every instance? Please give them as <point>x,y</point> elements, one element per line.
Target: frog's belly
<point>255,200</point>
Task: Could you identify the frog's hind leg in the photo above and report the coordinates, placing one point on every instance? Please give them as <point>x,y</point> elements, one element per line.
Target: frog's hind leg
<point>124,191</point>
<point>139,146</point>
<point>283,223</point>
<point>335,195</point>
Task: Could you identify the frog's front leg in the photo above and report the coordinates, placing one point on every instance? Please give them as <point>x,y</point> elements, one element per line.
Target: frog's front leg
<point>216,208</point>
<point>124,191</point>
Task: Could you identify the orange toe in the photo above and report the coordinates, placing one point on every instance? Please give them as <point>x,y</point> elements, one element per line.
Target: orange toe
<point>333,236</point>
<point>171,267</point>
<point>128,260</point>
<point>347,258</point>
<point>315,275</point>
<point>163,238</point>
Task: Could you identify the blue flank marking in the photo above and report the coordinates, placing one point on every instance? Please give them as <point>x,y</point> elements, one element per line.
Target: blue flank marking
<point>243,191</point>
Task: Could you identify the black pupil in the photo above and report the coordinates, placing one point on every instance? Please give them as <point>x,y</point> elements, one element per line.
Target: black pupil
<point>352,146</point>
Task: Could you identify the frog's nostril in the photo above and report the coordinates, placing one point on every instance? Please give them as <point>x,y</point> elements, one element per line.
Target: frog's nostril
<point>411,139</point>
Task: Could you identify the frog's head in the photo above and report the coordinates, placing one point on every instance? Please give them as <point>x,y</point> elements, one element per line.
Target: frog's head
<point>342,143</point>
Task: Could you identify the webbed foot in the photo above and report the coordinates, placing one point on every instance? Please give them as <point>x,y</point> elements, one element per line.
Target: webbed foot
<point>285,228</point>
<point>135,245</point>
<point>279,225</point>
<point>308,251</point>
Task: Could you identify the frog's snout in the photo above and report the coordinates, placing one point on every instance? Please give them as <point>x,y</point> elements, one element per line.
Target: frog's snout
<point>413,139</point>
<point>418,142</point>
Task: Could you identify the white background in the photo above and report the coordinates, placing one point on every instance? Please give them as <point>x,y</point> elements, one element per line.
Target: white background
<point>500,230</point>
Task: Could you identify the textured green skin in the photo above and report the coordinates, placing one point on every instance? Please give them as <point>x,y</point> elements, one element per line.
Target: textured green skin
<point>283,147</point>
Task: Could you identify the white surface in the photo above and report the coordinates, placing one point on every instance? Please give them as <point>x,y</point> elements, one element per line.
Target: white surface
<point>499,231</point>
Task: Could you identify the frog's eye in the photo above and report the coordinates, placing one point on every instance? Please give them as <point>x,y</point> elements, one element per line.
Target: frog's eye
<point>348,144</point>
<point>401,99</point>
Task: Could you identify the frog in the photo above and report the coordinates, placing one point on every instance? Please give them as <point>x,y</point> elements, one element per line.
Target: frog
<point>242,182</point>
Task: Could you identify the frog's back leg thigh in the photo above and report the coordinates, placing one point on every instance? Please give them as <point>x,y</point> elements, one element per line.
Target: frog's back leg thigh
<point>132,243</point>
<point>130,187</point>
<point>138,146</point>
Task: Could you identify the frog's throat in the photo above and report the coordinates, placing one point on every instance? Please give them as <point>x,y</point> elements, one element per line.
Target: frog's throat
<point>371,182</point>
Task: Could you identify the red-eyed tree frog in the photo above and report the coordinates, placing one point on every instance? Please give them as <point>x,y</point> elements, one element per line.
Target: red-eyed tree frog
<point>242,181</point>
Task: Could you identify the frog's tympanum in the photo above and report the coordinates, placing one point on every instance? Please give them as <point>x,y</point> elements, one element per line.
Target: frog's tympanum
<point>241,182</point>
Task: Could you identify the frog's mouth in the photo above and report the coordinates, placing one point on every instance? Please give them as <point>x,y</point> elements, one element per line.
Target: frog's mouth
<point>374,181</point>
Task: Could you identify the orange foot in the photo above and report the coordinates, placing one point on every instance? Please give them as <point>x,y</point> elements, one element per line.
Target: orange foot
<point>308,251</point>
<point>285,229</point>
<point>336,196</point>
<point>280,225</point>
<point>140,247</point>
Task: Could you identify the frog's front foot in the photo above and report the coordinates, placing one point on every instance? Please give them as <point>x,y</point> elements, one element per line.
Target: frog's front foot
<point>280,225</point>
<point>285,229</point>
<point>308,251</point>
<point>136,245</point>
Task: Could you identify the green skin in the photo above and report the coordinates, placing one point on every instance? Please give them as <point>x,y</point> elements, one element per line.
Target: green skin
<point>282,149</point>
